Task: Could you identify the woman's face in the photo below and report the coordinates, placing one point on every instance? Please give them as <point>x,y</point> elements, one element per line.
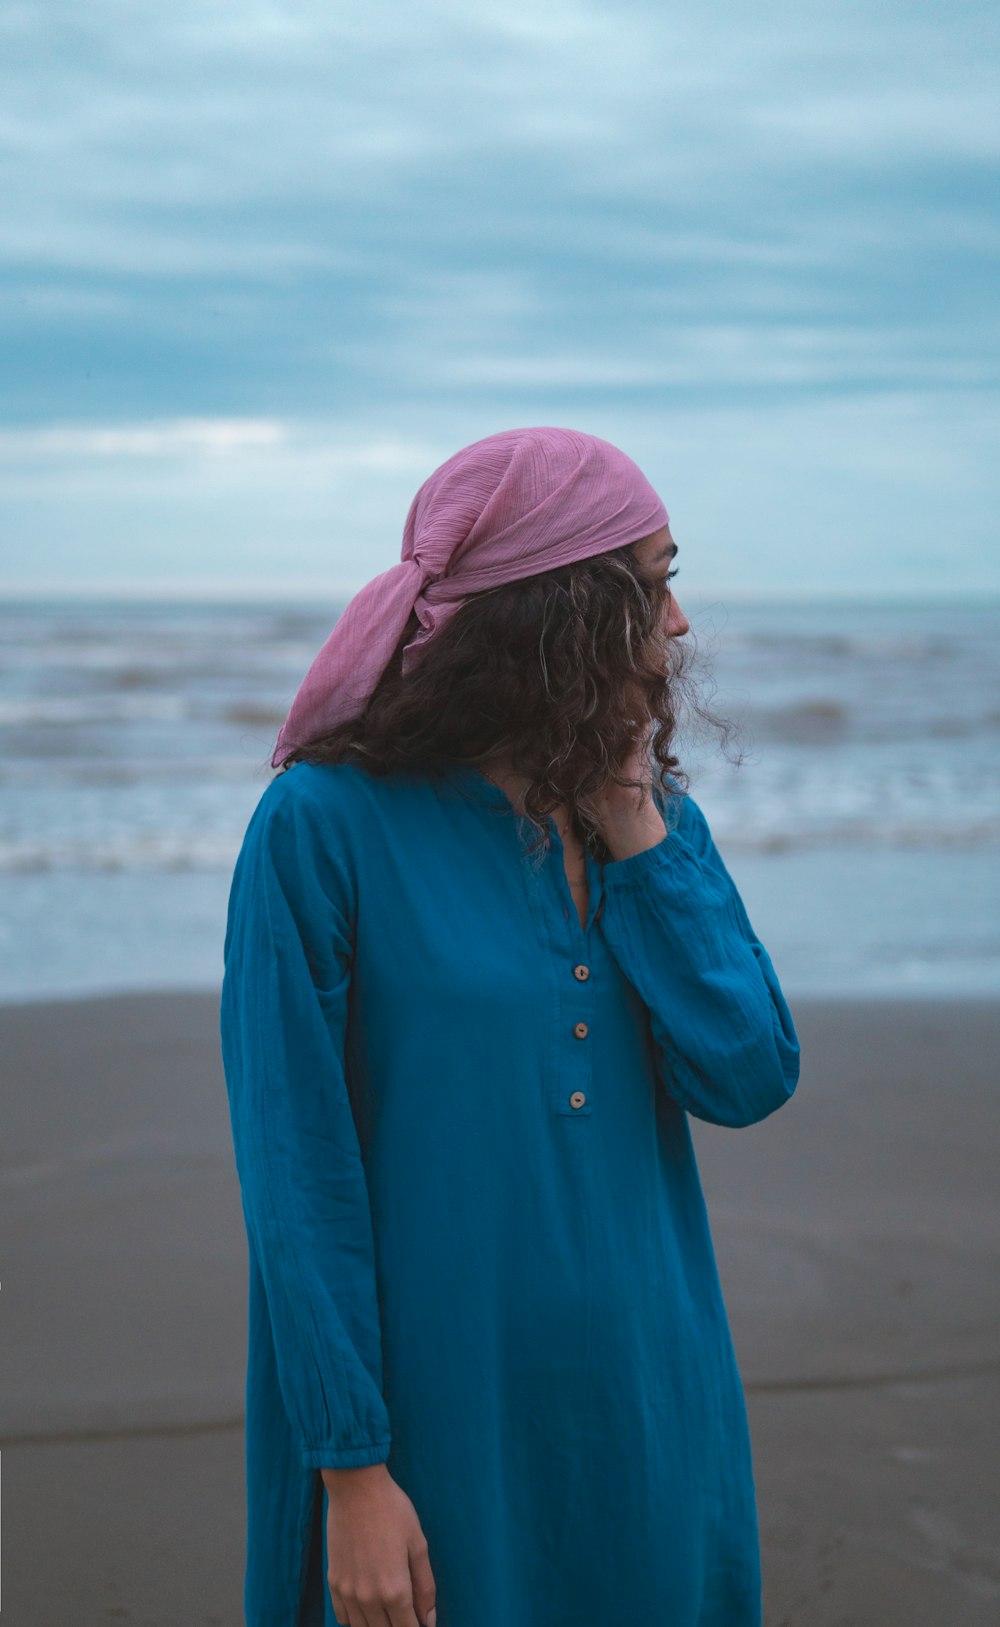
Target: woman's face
<point>656,553</point>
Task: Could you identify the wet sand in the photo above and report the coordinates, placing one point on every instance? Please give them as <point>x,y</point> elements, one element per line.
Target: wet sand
<point>858,1238</point>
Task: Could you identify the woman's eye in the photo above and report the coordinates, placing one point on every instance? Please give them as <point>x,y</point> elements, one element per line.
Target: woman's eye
<point>672,573</point>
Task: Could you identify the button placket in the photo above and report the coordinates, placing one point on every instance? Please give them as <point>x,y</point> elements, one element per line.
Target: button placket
<point>572,1003</point>
<point>575,1099</point>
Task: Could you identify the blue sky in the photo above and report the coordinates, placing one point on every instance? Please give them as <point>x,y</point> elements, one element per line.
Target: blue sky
<point>264,266</point>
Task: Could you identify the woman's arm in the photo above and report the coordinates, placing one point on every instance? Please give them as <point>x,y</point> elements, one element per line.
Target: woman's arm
<point>288,953</point>
<point>724,1038</point>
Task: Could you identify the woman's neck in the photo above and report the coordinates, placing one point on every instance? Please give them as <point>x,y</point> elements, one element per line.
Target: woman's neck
<point>514,786</point>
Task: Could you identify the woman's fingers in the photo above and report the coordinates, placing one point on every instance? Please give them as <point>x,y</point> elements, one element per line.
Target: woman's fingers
<point>399,1613</point>
<point>403,1616</point>
<point>389,1606</point>
<point>376,1616</point>
<point>394,1613</point>
<point>348,1615</point>
<point>422,1577</point>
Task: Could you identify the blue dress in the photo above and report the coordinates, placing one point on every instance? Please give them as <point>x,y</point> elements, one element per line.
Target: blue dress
<point>478,1245</point>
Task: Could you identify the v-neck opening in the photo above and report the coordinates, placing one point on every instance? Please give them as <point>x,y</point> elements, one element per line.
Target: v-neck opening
<point>484,790</point>
<point>595,883</point>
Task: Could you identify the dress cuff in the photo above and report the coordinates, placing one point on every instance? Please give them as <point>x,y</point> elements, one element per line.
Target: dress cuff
<point>345,1457</point>
<point>640,868</point>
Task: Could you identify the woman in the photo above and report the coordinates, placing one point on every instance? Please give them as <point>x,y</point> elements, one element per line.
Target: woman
<point>482,960</point>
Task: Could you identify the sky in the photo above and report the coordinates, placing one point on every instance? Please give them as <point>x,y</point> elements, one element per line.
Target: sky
<point>264,266</point>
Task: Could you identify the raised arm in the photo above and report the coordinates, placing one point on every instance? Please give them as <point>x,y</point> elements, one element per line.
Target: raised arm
<point>288,953</point>
<point>725,1043</point>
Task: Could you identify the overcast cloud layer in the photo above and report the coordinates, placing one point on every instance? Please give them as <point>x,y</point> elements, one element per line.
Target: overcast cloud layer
<point>265,265</point>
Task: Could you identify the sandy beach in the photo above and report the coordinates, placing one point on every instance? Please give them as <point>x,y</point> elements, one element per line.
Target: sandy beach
<point>858,1239</point>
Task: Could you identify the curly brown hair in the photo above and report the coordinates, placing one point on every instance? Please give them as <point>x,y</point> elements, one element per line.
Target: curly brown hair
<point>558,674</point>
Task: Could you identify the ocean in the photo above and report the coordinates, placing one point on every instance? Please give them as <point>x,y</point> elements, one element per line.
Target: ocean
<point>862,825</point>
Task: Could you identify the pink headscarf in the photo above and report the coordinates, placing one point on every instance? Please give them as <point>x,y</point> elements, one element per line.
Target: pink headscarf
<point>512,505</point>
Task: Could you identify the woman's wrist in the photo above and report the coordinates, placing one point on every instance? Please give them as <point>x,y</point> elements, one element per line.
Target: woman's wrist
<point>627,836</point>
<point>366,1474</point>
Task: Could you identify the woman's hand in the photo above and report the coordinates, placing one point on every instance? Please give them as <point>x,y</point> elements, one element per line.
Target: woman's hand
<point>630,821</point>
<point>378,1568</point>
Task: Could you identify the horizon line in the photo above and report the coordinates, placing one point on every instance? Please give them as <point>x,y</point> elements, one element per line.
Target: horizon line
<point>307,594</point>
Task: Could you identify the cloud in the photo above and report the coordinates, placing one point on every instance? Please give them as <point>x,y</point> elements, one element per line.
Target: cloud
<point>225,224</point>
<point>214,436</point>
<point>844,495</point>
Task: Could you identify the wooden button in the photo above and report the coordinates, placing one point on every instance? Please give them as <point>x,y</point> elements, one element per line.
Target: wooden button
<point>581,1030</point>
<point>577,1099</point>
<point>581,972</point>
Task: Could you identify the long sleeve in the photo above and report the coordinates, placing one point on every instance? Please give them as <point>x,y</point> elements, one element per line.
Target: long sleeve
<point>288,955</point>
<point>724,1039</point>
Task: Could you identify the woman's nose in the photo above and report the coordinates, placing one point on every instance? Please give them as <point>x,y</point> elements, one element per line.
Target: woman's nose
<point>677,622</point>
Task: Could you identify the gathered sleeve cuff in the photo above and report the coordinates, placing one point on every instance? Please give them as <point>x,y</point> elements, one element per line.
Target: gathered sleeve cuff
<point>723,1035</point>
<point>288,954</point>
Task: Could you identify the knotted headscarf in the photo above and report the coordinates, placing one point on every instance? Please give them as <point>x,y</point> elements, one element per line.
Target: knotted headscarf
<point>512,505</point>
